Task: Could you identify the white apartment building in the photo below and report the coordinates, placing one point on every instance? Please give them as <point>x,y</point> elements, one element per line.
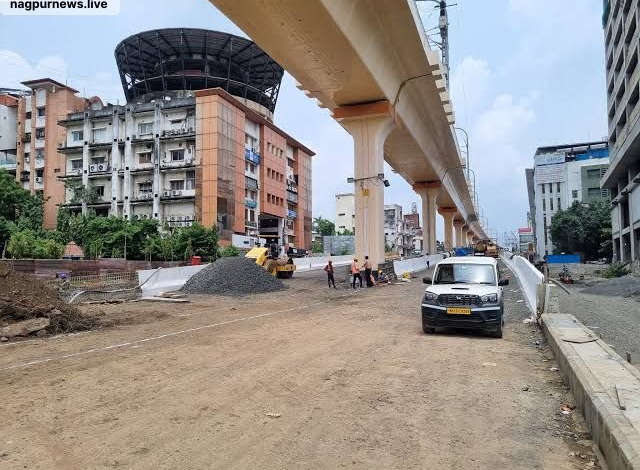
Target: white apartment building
<point>345,212</point>
<point>562,175</point>
<point>397,234</point>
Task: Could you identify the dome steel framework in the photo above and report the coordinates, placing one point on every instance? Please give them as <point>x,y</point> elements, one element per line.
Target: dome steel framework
<point>163,60</point>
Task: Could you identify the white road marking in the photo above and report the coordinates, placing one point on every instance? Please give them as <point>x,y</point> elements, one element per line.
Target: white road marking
<point>145,340</point>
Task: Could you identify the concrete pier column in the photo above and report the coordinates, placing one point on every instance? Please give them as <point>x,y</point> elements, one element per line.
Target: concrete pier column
<point>369,126</point>
<point>457,226</point>
<point>428,193</point>
<point>447,214</point>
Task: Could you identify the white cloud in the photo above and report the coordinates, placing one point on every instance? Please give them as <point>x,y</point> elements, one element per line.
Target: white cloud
<point>16,69</point>
<point>469,83</point>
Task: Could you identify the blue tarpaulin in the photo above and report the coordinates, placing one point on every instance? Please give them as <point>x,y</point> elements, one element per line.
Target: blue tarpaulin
<point>563,259</point>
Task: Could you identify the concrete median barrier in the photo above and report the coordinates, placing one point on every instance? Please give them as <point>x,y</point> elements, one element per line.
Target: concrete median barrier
<point>154,281</point>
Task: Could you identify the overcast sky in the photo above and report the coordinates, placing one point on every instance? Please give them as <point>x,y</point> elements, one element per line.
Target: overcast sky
<point>524,74</point>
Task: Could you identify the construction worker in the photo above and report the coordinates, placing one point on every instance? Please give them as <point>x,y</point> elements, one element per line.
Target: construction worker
<point>367,271</point>
<point>355,271</point>
<point>329,270</point>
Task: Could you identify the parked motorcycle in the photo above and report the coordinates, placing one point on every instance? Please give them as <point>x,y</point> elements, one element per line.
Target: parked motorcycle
<point>565,276</point>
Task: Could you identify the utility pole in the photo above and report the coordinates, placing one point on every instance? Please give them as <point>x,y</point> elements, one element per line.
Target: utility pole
<point>443,26</point>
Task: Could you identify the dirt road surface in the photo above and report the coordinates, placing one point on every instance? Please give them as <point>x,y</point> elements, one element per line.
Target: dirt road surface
<point>309,379</point>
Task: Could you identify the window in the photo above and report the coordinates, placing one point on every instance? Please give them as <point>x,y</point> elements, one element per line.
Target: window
<point>551,203</point>
<point>41,112</point>
<point>99,133</point>
<point>77,136</point>
<point>544,204</point>
<point>542,188</point>
<point>175,121</point>
<point>28,115</point>
<point>27,157</point>
<point>341,215</point>
<point>145,187</point>
<point>40,134</point>
<point>465,274</point>
<point>177,155</point>
<point>191,180</point>
<point>145,128</point>
<point>98,160</point>
<point>76,164</point>
<point>559,205</point>
<point>574,194</point>
<point>40,153</point>
<point>593,174</point>
<point>593,192</point>
<point>144,158</point>
<point>99,190</point>
<point>557,187</point>
<point>550,188</point>
<point>176,185</point>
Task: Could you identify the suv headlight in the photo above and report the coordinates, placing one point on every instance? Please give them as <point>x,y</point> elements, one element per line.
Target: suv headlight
<point>489,299</point>
<point>430,298</point>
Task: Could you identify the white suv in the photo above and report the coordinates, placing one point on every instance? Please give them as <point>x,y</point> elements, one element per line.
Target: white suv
<point>465,292</point>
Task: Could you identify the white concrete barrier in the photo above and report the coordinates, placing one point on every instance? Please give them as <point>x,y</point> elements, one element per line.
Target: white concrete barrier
<point>154,281</point>
<point>529,278</point>
<point>414,265</point>
<point>319,262</point>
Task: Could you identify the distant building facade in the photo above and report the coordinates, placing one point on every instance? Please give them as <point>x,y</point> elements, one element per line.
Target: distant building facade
<point>562,175</point>
<point>397,234</point>
<point>525,240</point>
<point>9,128</point>
<point>621,20</point>
<point>345,213</point>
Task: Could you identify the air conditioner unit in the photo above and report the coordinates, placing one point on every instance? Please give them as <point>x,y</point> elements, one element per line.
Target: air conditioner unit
<point>38,179</point>
<point>102,167</point>
<point>167,193</point>
<point>77,172</point>
<point>180,218</point>
<point>145,216</point>
<point>178,193</point>
<point>172,218</point>
<point>92,168</point>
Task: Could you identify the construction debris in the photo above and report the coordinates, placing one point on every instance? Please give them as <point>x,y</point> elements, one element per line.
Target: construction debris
<point>233,277</point>
<point>27,299</point>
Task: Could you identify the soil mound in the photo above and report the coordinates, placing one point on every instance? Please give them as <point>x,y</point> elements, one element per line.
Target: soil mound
<point>25,297</point>
<point>233,277</point>
<point>625,286</point>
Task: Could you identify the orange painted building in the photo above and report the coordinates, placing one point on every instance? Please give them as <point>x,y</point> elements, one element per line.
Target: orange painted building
<point>38,162</point>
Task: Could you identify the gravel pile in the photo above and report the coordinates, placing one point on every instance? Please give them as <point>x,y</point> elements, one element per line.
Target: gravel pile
<point>233,277</point>
<point>625,286</point>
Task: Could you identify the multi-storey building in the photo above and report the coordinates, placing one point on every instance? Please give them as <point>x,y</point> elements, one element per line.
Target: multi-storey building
<point>8,128</point>
<point>345,213</point>
<point>562,175</point>
<point>621,22</point>
<point>195,142</point>
<point>39,161</point>
<point>398,234</point>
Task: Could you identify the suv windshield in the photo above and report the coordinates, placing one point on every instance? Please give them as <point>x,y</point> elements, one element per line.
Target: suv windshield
<point>465,274</point>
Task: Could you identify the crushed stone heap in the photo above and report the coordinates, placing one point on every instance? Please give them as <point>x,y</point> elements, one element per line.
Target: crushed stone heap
<point>233,277</point>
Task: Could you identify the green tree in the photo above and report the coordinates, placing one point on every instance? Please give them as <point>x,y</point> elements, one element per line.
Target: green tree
<point>12,196</point>
<point>324,226</point>
<point>80,193</point>
<point>229,252</point>
<point>584,229</point>
<point>317,247</point>
<point>346,232</point>
<point>22,244</point>
<point>201,241</point>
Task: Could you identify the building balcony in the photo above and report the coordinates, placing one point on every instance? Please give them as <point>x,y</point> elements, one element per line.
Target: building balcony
<point>141,138</point>
<point>143,196</point>
<point>39,163</point>
<point>177,134</point>
<point>72,173</point>
<point>252,156</point>
<point>24,176</point>
<point>250,203</point>
<point>292,197</point>
<point>292,214</point>
<point>26,137</point>
<point>8,162</point>
<point>172,194</point>
<point>38,182</point>
<point>250,223</point>
<point>40,121</point>
<point>73,146</point>
<point>177,164</point>
<point>39,143</point>
<point>27,125</point>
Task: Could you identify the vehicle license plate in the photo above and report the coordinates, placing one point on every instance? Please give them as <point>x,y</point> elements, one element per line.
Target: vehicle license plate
<point>458,311</point>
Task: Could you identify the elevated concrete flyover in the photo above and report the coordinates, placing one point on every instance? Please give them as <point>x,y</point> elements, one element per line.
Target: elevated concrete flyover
<point>369,63</point>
